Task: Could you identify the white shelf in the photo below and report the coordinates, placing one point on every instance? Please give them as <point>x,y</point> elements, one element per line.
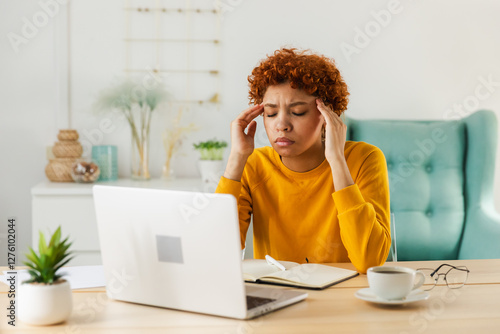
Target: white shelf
<point>48,188</point>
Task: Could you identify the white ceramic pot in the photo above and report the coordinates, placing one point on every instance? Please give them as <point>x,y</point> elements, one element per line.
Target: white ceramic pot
<point>44,304</point>
<point>211,170</point>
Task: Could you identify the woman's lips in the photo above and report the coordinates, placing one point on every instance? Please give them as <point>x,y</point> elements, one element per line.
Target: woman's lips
<point>282,141</point>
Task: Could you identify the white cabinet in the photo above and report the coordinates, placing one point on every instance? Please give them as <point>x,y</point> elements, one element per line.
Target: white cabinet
<point>71,206</point>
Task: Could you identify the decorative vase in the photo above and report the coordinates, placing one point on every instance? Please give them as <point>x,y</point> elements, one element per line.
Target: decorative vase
<point>140,155</point>
<point>67,135</point>
<point>59,169</point>
<point>167,171</point>
<point>211,170</point>
<point>66,151</point>
<point>106,157</point>
<point>44,304</point>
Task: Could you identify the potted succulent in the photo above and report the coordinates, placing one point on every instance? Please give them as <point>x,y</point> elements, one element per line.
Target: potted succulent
<point>45,298</point>
<point>211,155</point>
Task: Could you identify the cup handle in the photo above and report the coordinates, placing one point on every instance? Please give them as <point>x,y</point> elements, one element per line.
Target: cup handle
<point>421,280</point>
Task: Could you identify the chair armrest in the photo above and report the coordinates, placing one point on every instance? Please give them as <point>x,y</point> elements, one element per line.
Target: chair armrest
<point>481,239</point>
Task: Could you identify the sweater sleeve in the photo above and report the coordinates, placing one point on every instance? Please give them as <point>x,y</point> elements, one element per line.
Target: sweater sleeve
<point>241,192</point>
<point>364,213</point>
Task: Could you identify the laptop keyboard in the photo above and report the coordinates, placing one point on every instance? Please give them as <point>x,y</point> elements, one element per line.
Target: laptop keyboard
<point>253,301</point>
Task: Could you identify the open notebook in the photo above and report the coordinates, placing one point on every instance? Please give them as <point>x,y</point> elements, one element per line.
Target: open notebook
<point>307,275</point>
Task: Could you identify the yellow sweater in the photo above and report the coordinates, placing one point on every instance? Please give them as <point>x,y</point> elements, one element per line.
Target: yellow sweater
<point>300,215</point>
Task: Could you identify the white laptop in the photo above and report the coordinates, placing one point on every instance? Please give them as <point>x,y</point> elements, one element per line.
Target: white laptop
<point>179,250</point>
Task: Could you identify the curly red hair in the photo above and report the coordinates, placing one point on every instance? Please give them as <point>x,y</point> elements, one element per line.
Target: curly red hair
<point>315,74</point>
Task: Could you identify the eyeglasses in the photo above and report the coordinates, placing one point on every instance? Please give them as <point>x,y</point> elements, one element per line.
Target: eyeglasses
<point>455,277</point>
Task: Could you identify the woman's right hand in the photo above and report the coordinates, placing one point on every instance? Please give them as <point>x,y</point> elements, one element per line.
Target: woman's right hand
<point>242,144</point>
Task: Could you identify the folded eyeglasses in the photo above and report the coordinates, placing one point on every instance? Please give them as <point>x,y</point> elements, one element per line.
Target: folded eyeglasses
<point>454,276</point>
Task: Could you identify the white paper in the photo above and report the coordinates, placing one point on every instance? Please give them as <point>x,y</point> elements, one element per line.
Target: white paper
<point>79,277</point>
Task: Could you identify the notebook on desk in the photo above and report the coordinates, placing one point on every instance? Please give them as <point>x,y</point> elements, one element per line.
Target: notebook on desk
<point>308,275</point>
<point>178,250</point>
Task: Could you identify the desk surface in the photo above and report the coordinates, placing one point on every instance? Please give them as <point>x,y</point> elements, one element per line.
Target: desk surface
<point>474,308</point>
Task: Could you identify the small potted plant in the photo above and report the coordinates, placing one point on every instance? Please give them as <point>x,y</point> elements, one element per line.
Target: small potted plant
<point>45,298</point>
<point>211,155</point>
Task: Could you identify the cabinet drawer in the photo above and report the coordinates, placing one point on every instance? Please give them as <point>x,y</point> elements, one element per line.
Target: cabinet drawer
<point>75,214</point>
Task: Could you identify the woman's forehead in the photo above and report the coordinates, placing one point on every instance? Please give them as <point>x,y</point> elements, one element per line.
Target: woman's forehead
<point>285,93</point>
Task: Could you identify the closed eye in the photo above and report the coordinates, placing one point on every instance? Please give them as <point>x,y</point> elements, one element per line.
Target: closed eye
<point>294,113</point>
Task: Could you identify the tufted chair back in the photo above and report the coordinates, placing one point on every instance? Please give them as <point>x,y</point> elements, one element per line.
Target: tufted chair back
<point>434,179</point>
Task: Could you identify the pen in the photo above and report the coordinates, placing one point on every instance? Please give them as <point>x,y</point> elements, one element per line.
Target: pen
<point>272,261</point>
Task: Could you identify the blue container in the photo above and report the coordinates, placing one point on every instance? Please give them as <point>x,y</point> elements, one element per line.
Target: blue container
<point>106,157</point>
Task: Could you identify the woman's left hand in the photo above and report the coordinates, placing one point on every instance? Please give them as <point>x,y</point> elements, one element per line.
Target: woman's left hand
<point>335,134</point>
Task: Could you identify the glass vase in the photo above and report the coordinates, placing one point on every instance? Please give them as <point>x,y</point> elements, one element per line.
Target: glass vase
<point>168,171</point>
<point>140,156</point>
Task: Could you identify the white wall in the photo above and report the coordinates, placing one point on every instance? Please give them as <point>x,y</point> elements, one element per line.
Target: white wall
<point>427,59</point>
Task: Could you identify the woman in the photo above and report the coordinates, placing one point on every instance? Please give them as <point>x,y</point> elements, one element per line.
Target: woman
<point>314,197</point>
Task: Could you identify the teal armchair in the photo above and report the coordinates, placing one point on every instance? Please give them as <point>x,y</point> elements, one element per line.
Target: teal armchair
<point>441,184</point>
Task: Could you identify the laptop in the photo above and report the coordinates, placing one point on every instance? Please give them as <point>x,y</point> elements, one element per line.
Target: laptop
<point>179,250</point>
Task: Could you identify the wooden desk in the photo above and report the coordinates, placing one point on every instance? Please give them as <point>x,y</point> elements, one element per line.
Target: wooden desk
<point>475,308</point>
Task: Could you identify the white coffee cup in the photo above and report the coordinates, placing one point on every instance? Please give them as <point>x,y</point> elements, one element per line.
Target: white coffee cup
<point>394,282</point>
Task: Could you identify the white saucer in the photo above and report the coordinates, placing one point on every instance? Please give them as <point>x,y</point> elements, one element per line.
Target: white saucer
<point>369,296</point>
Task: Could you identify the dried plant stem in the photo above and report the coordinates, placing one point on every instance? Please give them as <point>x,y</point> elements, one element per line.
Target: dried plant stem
<point>139,138</point>
<point>172,138</point>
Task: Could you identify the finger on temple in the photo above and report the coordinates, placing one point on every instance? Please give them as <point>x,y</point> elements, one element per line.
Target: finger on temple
<point>251,113</point>
<point>252,127</point>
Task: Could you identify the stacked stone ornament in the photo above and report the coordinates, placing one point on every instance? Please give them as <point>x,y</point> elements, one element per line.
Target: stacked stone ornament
<point>66,151</point>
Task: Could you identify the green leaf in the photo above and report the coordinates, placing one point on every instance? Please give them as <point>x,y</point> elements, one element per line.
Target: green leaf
<point>46,274</point>
<point>63,259</point>
<point>33,257</point>
<point>62,264</point>
<point>65,247</point>
<point>64,241</point>
<point>50,252</point>
<point>55,238</point>
<point>43,261</point>
<point>42,246</point>
<point>29,264</point>
<point>35,276</point>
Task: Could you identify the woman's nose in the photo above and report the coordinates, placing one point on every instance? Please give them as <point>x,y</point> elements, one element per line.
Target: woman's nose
<point>283,123</point>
